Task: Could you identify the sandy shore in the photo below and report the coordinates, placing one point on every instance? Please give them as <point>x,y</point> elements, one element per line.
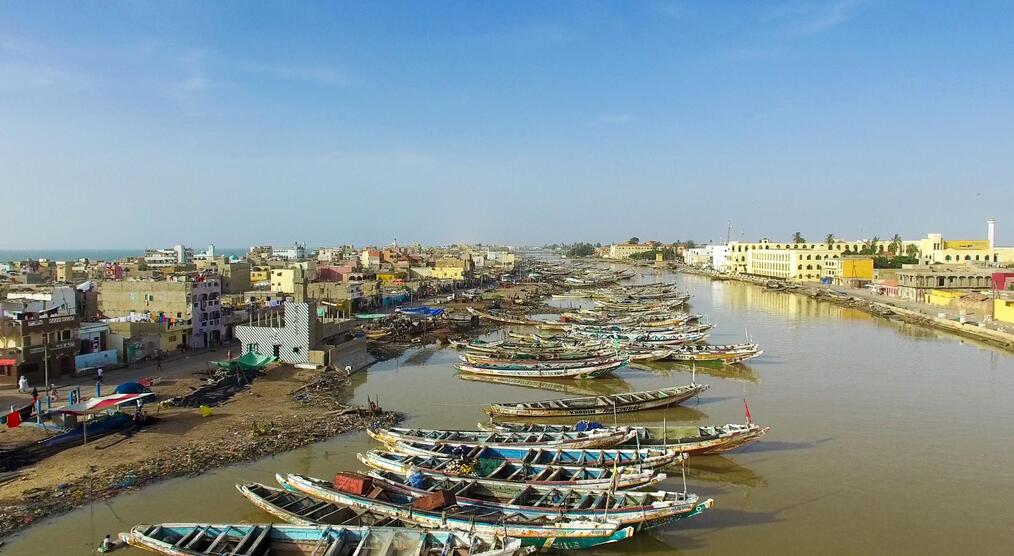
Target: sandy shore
<point>262,420</point>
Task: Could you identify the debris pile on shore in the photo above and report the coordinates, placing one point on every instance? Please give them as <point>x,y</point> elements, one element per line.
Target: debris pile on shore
<point>254,436</point>
<point>323,392</point>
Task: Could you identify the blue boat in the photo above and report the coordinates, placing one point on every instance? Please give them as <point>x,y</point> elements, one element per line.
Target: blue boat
<point>196,539</point>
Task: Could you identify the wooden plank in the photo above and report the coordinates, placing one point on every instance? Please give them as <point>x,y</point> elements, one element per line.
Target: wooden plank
<point>246,538</point>
<point>219,540</point>
<point>258,545</point>
<point>197,538</point>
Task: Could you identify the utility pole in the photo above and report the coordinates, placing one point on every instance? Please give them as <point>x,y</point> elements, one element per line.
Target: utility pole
<point>45,356</point>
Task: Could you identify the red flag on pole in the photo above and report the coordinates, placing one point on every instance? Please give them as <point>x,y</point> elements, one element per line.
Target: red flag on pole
<point>14,419</point>
<point>746,410</point>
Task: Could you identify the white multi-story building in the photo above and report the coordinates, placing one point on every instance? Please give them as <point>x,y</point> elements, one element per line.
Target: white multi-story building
<point>295,253</point>
<point>174,256</point>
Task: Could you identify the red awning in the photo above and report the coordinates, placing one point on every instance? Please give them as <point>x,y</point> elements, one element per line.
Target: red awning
<point>10,362</point>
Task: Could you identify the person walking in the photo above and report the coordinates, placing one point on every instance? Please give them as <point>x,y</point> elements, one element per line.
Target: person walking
<point>23,384</point>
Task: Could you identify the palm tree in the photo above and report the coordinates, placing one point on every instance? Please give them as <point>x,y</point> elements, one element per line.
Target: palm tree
<point>798,238</point>
<point>874,242</point>
<point>895,246</point>
<point>829,240</point>
<point>912,250</point>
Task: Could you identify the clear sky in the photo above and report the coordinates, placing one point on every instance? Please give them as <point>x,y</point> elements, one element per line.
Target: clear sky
<point>133,124</point>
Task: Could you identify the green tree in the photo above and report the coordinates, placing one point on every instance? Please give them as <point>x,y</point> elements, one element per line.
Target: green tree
<point>798,238</point>
<point>634,240</point>
<point>829,240</point>
<point>895,247</point>
<point>691,244</point>
<point>581,250</point>
<point>912,250</point>
<point>870,247</point>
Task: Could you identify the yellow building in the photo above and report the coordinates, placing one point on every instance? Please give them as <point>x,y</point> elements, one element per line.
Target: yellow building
<point>856,268</point>
<point>1003,309</point>
<point>284,280</point>
<point>625,250</point>
<point>388,277</point>
<point>260,273</point>
<point>449,272</point>
<point>943,298</point>
<point>935,249</point>
<point>790,264</point>
<point>451,268</point>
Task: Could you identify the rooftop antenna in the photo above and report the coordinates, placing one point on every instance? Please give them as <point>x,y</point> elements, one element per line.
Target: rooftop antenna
<point>728,232</point>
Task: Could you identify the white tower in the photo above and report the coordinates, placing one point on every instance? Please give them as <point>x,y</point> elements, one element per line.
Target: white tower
<point>991,237</point>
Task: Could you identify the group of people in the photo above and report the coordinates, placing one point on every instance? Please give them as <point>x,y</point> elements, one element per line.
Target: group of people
<point>52,391</point>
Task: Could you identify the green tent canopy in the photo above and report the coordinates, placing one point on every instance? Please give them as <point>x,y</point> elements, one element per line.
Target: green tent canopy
<point>249,361</point>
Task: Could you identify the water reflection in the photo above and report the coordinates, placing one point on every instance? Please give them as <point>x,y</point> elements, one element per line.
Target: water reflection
<point>596,387</point>
<point>720,470</point>
<point>740,372</point>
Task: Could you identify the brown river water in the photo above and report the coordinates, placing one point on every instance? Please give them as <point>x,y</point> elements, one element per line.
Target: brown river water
<point>886,438</point>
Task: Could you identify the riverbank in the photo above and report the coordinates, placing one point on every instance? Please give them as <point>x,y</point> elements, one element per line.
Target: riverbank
<point>285,409</point>
<point>881,306</point>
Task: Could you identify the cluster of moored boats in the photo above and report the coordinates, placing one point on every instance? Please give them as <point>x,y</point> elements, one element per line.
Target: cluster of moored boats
<point>507,487</point>
<point>496,490</point>
<point>640,323</point>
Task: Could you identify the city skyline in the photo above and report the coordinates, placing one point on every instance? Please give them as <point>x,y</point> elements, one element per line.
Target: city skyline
<point>136,125</point>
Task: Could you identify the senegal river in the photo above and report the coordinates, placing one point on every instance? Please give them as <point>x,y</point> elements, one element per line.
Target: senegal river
<point>886,438</point>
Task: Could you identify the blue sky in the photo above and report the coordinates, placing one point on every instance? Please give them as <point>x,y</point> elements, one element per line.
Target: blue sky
<point>132,124</point>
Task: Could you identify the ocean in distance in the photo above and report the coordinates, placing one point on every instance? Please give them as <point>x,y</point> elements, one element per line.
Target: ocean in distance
<point>94,254</point>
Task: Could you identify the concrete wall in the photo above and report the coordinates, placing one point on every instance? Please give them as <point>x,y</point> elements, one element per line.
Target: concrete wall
<point>120,298</point>
<point>96,359</point>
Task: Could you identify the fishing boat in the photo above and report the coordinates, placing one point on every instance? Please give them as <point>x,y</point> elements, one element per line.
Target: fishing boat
<point>598,405</point>
<point>503,318</point>
<point>727,354</point>
<point>300,509</point>
<point>560,533</point>
<point>506,439</point>
<point>690,440</point>
<point>534,355</point>
<point>592,371</point>
<point>508,474</point>
<point>377,334</point>
<point>196,539</point>
<point>646,458</point>
<point>520,363</point>
<point>642,510</point>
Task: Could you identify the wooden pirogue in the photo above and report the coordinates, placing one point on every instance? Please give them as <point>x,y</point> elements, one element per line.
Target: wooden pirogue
<point>598,405</point>
<point>197,539</point>
<point>602,368</point>
<point>509,474</point>
<point>300,509</point>
<point>499,439</point>
<point>642,510</point>
<point>690,440</point>
<point>560,533</point>
<point>648,458</point>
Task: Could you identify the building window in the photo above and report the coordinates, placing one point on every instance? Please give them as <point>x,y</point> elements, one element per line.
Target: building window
<point>65,335</point>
